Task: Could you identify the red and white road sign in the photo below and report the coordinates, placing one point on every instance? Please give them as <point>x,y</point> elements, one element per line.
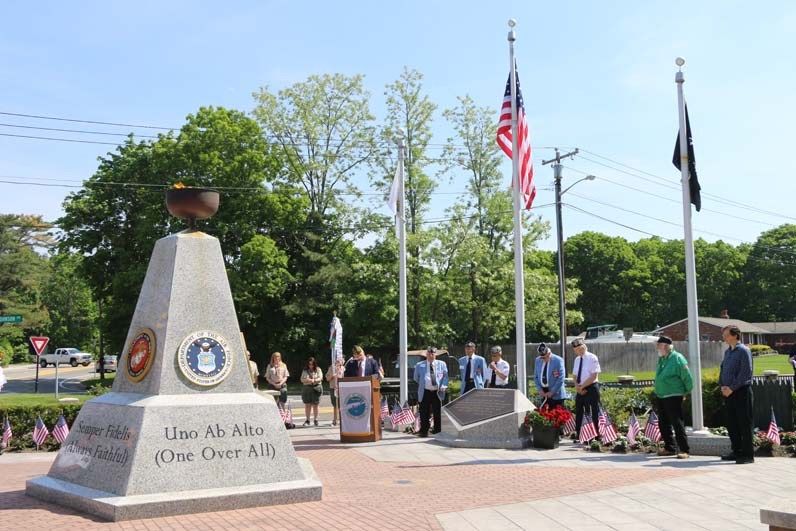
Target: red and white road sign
<point>39,344</point>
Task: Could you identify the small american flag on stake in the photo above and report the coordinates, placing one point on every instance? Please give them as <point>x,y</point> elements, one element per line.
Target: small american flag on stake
<point>504,134</point>
<point>651,430</point>
<point>61,429</point>
<point>773,430</point>
<point>587,430</point>
<point>385,409</point>
<point>607,431</point>
<point>634,429</point>
<point>7,433</point>
<point>286,413</point>
<point>570,426</point>
<point>40,432</point>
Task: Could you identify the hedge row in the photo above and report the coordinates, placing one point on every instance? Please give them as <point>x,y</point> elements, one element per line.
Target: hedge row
<point>23,420</point>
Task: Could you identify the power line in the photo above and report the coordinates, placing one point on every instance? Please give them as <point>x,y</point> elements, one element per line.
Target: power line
<point>382,143</point>
<point>675,201</point>
<point>60,119</point>
<point>647,216</point>
<point>668,183</point>
<point>80,131</point>
<point>8,179</point>
<point>366,227</point>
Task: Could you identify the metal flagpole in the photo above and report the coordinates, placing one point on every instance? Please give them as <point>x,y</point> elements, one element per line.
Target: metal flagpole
<point>519,273</point>
<point>402,331</point>
<point>690,262</point>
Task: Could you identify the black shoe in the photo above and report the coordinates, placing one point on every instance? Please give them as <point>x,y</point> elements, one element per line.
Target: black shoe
<point>744,460</point>
<point>729,457</point>
<point>421,434</point>
<point>434,432</point>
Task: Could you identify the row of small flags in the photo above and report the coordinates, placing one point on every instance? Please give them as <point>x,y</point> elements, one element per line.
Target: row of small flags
<point>652,431</point>
<point>40,431</point>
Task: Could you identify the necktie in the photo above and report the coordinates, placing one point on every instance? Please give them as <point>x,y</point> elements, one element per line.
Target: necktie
<point>362,368</point>
<point>467,373</point>
<point>494,377</point>
<point>544,375</point>
<point>580,369</point>
<point>433,376</point>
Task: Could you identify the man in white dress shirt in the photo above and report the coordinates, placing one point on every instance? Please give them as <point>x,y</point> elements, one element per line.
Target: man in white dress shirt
<point>497,374</point>
<point>585,371</point>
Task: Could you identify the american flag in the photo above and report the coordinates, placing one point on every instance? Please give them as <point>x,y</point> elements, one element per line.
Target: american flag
<point>7,433</point>
<point>570,426</point>
<point>607,431</point>
<point>587,430</point>
<point>40,432</point>
<point>385,409</point>
<point>634,429</point>
<point>651,430</point>
<point>61,430</point>
<point>404,415</point>
<point>286,412</point>
<point>504,135</point>
<point>773,430</point>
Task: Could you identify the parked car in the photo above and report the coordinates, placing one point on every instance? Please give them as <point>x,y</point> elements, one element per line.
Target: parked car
<point>72,356</point>
<point>110,363</point>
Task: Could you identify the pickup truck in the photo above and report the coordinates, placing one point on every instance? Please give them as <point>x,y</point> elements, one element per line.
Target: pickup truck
<point>72,356</point>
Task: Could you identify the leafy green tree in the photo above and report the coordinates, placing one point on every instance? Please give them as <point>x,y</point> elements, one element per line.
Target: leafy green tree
<point>24,270</point>
<point>769,277</point>
<point>67,297</point>
<point>115,225</point>
<point>410,114</point>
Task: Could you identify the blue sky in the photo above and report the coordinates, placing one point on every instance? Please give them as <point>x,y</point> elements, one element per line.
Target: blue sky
<point>596,75</point>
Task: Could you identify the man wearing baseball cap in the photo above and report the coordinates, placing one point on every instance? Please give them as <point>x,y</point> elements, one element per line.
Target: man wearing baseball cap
<point>673,382</point>
<point>586,370</point>
<point>431,377</point>
<point>548,374</point>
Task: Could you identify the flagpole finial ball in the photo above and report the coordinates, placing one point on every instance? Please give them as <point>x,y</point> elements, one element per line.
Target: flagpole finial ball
<point>679,61</point>
<point>512,22</point>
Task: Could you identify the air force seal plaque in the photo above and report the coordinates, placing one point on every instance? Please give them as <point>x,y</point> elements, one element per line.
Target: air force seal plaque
<point>140,355</point>
<point>205,358</point>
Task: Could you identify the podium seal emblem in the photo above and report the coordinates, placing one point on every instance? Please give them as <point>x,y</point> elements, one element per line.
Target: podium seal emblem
<point>140,355</point>
<point>205,358</point>
<point>356,406</point>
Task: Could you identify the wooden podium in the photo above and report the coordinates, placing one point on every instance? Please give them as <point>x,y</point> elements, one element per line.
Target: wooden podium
<point>359,400</point>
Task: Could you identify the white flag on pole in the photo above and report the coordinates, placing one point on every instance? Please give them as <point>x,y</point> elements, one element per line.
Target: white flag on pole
<point>395,192</point>
<point>336,339</point>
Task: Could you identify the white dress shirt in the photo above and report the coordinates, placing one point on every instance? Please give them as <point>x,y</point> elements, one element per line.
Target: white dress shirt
<point>428,384</point>
<point>591,366</point>
<point>502,366</point>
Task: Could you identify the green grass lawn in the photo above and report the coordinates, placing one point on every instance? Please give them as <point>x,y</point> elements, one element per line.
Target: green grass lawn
<point>35,399</point>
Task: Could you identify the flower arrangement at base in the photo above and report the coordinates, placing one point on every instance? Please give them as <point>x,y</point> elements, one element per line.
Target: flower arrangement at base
<point>555,417</point>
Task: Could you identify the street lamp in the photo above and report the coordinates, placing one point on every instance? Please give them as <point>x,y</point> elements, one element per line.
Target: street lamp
<point>562,308</point>
<point>562,305</point>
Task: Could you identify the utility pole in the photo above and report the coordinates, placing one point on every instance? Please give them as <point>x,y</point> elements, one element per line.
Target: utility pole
<point>562,306</point>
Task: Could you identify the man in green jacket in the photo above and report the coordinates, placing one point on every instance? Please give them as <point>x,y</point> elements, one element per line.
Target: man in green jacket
<point>673,383</point>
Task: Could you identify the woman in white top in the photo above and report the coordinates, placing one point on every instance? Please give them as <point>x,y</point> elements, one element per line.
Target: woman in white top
<point>335,371</point>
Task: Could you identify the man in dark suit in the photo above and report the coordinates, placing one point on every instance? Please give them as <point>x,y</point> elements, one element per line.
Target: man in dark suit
<point>360,365</point>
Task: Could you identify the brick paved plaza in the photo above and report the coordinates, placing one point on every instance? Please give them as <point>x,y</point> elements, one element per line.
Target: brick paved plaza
<point>406,483</point>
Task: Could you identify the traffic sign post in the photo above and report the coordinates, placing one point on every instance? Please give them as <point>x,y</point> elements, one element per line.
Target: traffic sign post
<point>39,343</point>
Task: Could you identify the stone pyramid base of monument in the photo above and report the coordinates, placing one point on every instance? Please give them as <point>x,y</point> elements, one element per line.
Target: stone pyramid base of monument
<point>144,457</point>
<point>183,431</point>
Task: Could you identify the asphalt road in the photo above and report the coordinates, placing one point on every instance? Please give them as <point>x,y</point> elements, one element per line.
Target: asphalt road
<point>22,378</point>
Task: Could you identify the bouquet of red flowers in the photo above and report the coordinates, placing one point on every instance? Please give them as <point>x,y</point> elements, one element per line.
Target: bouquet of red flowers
<point>546,416</point>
